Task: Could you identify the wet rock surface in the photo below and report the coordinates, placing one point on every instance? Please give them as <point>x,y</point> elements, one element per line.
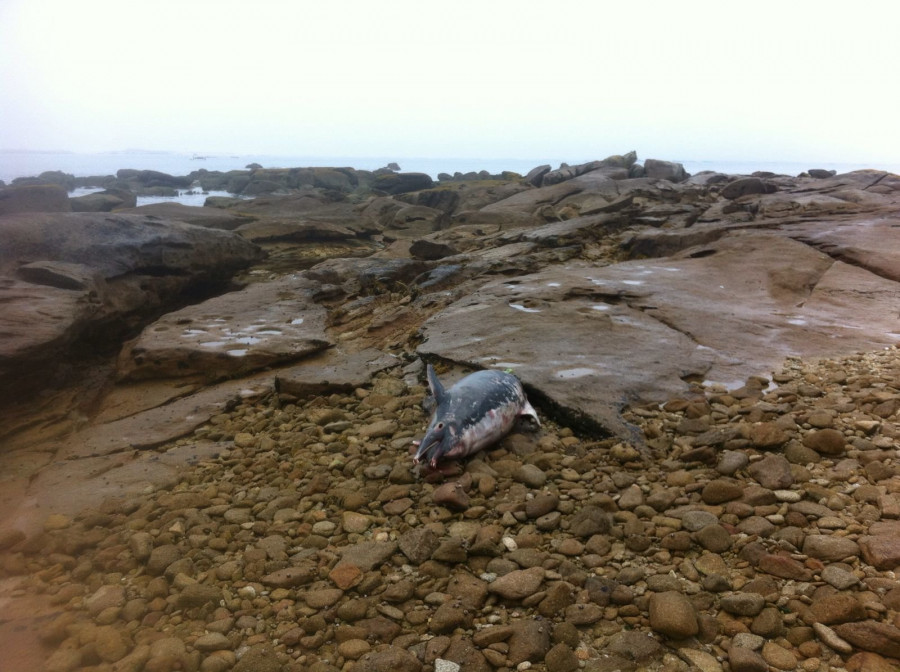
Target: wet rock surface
<point>714,485</point>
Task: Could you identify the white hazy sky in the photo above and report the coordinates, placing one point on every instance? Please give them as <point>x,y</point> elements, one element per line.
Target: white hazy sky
<point>771,80</point>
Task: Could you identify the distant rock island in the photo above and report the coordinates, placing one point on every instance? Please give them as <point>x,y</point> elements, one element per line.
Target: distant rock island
<point>208,414</point>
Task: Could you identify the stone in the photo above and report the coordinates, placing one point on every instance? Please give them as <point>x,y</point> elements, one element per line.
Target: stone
<point>779,657</point>
<point>743,604</point>
<point>33,198</point>
<point>694,521</point>
<point>212,641</point>
<point>746,186</point>
<point>198,595</point>
<point>259,658</point>
<point>110,644</point>
<point>98,263</point>
<point>664,170</point>
<point>784,567</point>
<point>865,661</point>
<point>881,551</point>
<point>880,638</point>
<point>767,435</point>
<point>530,475</point>
<point>672,615</point>
<point>561,658</point>
<point>418,544</point>
<point>837,608</point>
<point>772,472</point>
<point>829,548</point>
<point>528,641</point>
<point>105,597</point>
<point>746,660</point>
<point>714,538</point>
<point>720,491</point>
<point>518,584</point>
<point>290,577</point>
<point>825,441</point>
<point>452,495</point>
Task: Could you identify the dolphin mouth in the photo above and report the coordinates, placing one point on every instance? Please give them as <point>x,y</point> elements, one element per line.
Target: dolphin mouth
<point>425,450</point>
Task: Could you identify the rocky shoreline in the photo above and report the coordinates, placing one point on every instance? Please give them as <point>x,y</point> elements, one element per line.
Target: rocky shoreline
<point>714,487</point>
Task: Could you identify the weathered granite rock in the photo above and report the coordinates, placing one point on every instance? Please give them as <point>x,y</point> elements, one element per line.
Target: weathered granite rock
<point>68,275</point>
<point>401,183</point>
<point>104,201</point>
<point>673,306</point>
<point>264,324</point>
<point>213,218</point>
<point>33,198</point>
<point>665,170</point>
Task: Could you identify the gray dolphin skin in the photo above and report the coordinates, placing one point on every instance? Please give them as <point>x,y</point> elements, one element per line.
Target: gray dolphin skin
<point>477,411</point>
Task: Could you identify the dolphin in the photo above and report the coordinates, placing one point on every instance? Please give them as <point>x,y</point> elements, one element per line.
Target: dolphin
<point>476,412</point>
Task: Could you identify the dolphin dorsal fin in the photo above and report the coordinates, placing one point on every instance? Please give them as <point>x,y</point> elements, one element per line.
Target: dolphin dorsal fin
<point>437,390</point>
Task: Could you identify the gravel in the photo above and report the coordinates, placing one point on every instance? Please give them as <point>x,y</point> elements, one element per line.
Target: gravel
<point>309,542</point>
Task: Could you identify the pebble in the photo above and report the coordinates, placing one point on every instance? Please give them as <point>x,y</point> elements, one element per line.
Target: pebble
<point>212,641</point>
<point>329,547</point>
<point>672,614</point>
<point>743,659</point>
<point>779,657</point>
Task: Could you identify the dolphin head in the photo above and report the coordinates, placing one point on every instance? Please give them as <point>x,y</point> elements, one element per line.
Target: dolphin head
<point>439,441</point>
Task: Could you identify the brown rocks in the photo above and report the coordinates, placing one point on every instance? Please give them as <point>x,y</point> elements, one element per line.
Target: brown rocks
<point>672,614</point>
<point>390,658</point>
<point>825,441</point>
<point>743,659</point>
<point>772,472</point>
<point>33,198</point>
<point>452,495</point>
<point>829,547</point>
<point>290,531</point>
<point>881,551</point>
<point>720,491</point>
<point>837,608</point>
<point>290,577</point>
<point>743,604</point>
<point>767,435</point>
<point>518,584</point>
<point>784,567</point>
<point>880,638</point>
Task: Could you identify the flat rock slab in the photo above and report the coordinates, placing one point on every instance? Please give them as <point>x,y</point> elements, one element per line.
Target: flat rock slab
<point>591,339</point>
<point>212,218</point>
<point>264,324</point>
<point>333,371</point>
<point>70,486</point>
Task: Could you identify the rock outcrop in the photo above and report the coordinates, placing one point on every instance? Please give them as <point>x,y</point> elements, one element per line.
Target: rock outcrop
<point>713,357</point>
<point>79,280</point>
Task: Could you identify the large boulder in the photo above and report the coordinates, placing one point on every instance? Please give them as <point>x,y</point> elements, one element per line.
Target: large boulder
<point>213,218</point>
<point>665,170</point>
<point>639,331</point>
<point>34,198</point>
<point>153,178</point>
<point>104,201</point>
<point>66,279</point>
<point>401,183</point>
<point>264,324</point>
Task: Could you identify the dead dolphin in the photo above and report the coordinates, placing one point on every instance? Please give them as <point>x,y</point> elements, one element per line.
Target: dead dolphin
<point>474,413</point>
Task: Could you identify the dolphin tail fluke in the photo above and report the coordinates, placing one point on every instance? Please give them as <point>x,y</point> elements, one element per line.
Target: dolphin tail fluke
<point>529,412</point>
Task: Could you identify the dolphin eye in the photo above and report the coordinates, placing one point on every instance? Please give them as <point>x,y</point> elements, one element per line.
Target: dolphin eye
<point>440,425</point>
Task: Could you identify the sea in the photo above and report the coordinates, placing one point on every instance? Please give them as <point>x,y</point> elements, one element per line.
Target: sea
<point>15,164</point>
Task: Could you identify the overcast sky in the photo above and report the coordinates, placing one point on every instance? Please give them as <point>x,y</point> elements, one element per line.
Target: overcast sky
<point>772,80</point>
